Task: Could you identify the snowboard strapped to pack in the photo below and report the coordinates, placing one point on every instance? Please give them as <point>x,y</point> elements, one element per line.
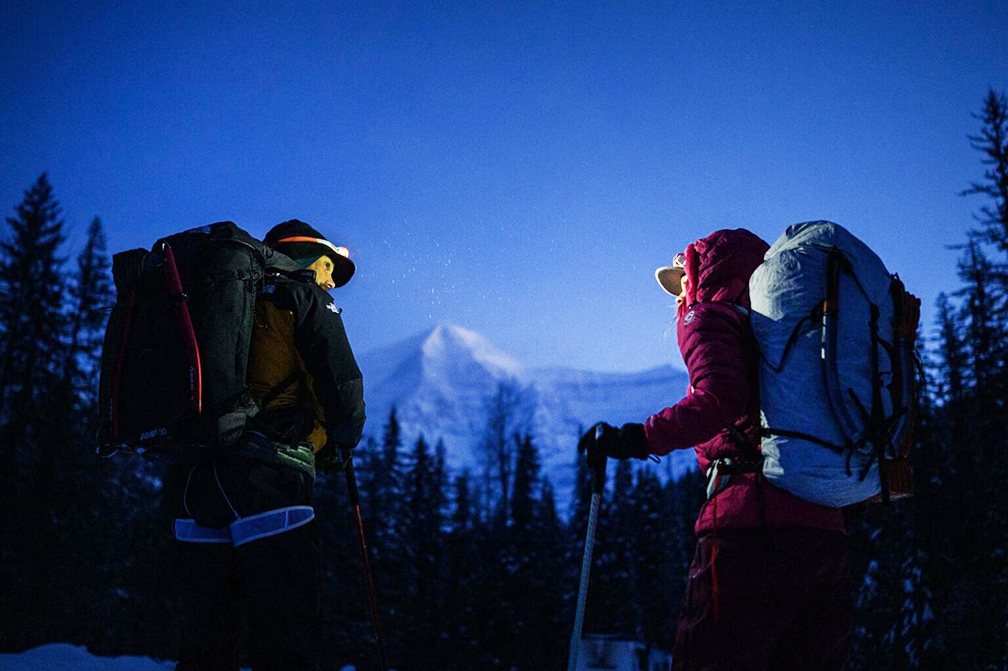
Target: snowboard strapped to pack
<point>838,388</point>
<point>175,354</point>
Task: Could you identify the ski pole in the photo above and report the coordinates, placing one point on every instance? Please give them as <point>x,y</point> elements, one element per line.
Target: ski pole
<point>368,575</point>
<point>598,485</point>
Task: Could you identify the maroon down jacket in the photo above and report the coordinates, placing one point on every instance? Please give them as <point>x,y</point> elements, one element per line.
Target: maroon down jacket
<point>721,356</point>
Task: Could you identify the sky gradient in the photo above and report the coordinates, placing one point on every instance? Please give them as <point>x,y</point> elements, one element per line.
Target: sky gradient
<point>519,169</point>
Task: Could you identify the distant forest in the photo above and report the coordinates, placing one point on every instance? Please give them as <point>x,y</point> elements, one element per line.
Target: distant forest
<point>479,570</point>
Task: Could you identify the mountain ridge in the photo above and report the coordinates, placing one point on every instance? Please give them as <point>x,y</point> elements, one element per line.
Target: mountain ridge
<point>441,381</point>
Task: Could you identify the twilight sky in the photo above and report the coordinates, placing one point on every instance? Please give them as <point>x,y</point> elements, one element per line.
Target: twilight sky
<point>519,169</point>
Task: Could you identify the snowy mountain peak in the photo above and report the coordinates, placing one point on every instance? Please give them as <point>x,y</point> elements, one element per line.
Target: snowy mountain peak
<point>441,381</point>
<point>448,349</point>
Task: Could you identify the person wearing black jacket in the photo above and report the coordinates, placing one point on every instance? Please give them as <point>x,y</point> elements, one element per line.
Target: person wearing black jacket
<point>250,545</point>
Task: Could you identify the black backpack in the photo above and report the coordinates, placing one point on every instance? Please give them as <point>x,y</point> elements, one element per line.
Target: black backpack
<point>176,345</point>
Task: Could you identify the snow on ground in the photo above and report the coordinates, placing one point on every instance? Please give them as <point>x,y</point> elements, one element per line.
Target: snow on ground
<point>67,657</point>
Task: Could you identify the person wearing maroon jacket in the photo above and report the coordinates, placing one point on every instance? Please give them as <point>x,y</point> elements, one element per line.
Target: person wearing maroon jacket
<point>768,587</point>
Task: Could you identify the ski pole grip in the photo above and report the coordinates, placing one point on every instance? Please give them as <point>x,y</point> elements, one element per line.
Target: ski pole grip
<point>598,470</point>
<point>346,454</point>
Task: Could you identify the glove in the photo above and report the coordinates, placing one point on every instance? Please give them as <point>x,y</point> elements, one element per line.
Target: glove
<point>332,457</point>
<point>633,441</point>
<point>603,440</point>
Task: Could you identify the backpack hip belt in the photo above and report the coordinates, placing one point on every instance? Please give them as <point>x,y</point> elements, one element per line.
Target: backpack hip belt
<point>299,456</point>
<point>720,472</point>
<point>246,529</point>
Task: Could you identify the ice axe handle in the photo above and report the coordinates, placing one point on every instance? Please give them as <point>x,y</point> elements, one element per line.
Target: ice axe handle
<point>598,470</point>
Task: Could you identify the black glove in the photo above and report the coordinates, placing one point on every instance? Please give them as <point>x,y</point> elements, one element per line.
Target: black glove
<point>332,457</point>
<point>603,440</point>
<point>633,442</point>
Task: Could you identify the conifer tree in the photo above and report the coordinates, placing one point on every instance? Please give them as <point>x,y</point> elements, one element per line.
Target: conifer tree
<point>463,569</point>
<point>66,476</point>
<point>581,501</point>
<point>420,521</point>
<point>986,306</point>
<point>981,311</point>
<point>31,319</point>
<point>550,580</point>
<point>391,441</point>
<point>952,358</point>
<point>497,446</point>
<point>525,484</point>
<point>680,530</point>
<point>385,486</point>
<point>616,563</point>
<point>91,295</point>
<point>554,568</point>
<point>523,552</point>
<point>992,142</point>
<point>31,328</point>
<point>654,563</point>
<point>441,483</point>
<point>916,625</point>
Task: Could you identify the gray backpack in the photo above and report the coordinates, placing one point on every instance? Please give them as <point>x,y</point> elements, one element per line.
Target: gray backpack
<point>837,391</point>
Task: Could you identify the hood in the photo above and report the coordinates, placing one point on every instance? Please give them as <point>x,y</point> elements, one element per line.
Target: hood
<point>718,266</point>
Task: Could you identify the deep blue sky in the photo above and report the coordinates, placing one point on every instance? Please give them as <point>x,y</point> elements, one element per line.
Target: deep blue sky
<point>516,168</point>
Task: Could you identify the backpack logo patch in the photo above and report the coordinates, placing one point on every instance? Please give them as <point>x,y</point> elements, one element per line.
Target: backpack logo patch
<point>153,433</point>
<point>690,316</point>
<point>332,308</point>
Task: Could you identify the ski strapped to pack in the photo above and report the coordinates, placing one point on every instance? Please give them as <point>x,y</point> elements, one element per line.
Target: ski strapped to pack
<point>181,302</point>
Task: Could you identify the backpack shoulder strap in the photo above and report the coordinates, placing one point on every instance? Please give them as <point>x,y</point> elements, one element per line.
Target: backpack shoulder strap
<point>725,306</point>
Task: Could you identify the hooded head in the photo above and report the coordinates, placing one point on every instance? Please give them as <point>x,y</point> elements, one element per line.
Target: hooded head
<point>716,268</point>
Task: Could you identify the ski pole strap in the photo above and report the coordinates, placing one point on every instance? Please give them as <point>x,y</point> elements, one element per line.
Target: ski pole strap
<point>246,529</point>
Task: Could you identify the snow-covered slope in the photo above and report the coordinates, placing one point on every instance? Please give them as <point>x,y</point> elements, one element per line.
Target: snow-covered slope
<point>441,381</point>
<point>438,382</point>
<point>67,657</point>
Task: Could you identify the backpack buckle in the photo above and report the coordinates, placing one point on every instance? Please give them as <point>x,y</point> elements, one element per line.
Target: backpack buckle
<point>721,470</point>
<point>718,476</point>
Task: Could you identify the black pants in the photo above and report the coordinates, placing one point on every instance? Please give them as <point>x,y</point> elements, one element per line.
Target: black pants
<point>273,583</point>
<point>766,600</point>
